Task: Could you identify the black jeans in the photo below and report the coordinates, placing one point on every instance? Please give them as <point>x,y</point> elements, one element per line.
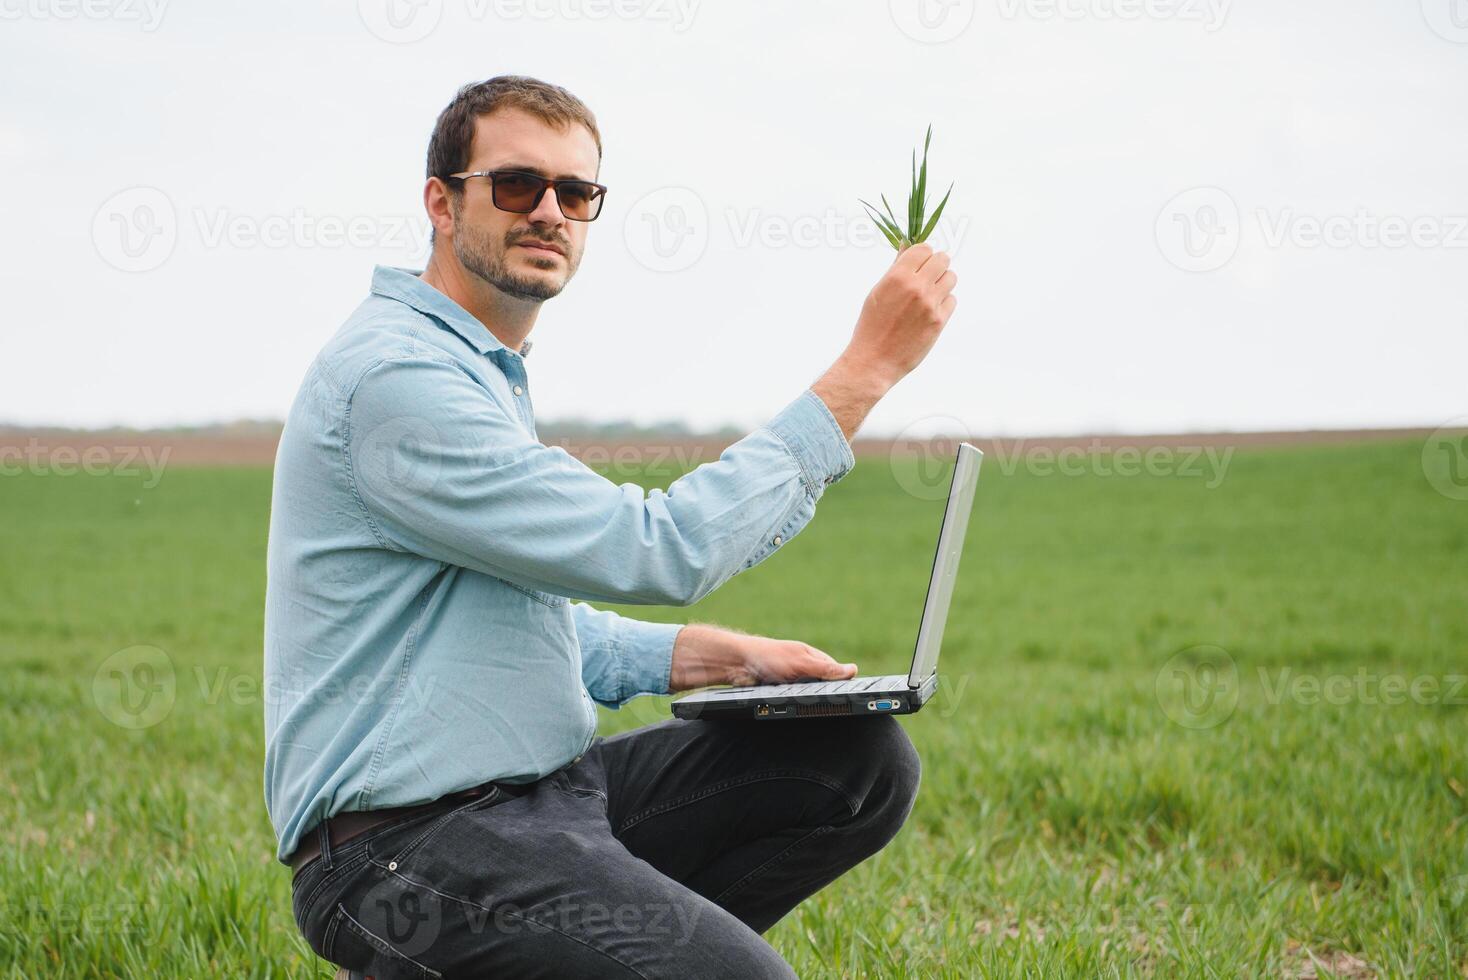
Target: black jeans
<point>663,852</point>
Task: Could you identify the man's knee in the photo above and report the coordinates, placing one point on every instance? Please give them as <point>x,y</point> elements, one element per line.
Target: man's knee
<point>891,772</point>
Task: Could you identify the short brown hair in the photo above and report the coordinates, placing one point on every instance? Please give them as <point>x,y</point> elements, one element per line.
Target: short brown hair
<point>453,134</point>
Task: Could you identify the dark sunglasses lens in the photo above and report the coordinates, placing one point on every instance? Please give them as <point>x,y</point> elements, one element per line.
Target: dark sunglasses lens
<point>516,192</point>
<point>579,201</point>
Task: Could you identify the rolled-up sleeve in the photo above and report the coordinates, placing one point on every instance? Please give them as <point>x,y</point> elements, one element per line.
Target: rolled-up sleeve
<point>443,469</point>
<point>623,657</point>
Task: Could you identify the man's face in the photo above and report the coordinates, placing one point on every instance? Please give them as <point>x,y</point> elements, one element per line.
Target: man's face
<point>500,246</point>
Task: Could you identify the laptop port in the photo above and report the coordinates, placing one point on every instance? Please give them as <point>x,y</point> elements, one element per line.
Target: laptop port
<point>761,710</point>
<point>884,704</point>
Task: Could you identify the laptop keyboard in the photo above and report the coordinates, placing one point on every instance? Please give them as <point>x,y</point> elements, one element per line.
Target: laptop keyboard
<point>855,685</point>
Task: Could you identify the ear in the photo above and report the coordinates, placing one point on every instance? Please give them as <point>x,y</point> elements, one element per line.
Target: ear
<point>436,204</point>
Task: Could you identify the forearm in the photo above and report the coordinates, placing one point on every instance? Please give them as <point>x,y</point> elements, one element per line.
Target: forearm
<point>705,655</point>
<point>849,390</point>
<point>900,321</point>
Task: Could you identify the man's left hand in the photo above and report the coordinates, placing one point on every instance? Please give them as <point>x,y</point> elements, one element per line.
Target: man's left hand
<point>707,655</point>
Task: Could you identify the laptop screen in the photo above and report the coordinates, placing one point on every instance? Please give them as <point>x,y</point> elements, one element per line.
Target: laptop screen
<point>945,563</point>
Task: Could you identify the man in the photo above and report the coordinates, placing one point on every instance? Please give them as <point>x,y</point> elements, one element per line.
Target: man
<point>431,767</point>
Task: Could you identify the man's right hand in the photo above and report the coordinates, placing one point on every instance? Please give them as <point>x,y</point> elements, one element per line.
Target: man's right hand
<point>899,323</point>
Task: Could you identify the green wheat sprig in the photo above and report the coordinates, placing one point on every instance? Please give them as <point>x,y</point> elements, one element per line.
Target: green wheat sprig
<point>917,206</point>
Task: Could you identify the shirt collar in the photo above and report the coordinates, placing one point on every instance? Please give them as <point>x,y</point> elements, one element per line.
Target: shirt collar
<point>407,286</point>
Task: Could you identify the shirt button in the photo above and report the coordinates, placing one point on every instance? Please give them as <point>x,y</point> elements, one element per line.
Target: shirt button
<point>778,540</point>
<point>518,390</point>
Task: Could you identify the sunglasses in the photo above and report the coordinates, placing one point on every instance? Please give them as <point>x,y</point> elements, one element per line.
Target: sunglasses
<point>520,193</point>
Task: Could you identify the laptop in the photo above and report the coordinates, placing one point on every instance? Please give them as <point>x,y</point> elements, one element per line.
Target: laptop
<point>895,694</point>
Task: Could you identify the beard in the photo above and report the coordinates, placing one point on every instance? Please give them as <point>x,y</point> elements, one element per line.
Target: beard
<point>486,258</point>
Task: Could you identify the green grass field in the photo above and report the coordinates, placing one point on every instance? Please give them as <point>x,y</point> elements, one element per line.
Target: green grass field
<point>1183,731</point>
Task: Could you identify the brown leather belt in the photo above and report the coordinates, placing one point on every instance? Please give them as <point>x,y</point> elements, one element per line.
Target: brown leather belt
<point>344,826</point>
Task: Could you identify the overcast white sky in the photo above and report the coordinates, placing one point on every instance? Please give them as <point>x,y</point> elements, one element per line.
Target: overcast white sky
<point>1168,214</point>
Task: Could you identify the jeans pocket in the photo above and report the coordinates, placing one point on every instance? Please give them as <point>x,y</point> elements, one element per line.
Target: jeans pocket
<point>314,891</point>
<point>392,858</point>
<point>353,945</point>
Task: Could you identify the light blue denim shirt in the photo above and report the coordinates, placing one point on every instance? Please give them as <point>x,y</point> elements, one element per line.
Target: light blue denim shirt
<point>425,546</point>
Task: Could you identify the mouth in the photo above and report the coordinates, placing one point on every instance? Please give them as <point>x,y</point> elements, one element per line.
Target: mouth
<point>542,247</point>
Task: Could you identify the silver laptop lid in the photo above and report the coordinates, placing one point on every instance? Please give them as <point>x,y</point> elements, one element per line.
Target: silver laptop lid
<point>945,564</point>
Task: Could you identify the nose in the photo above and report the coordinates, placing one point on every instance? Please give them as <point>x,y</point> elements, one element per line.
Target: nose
<point>548,211</point>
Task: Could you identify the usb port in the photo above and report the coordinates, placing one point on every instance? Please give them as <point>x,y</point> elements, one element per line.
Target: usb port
<point>884,704</point>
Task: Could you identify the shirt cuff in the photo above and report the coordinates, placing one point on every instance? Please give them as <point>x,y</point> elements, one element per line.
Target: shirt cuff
<point>646,652</point>
<point>811,435</point>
